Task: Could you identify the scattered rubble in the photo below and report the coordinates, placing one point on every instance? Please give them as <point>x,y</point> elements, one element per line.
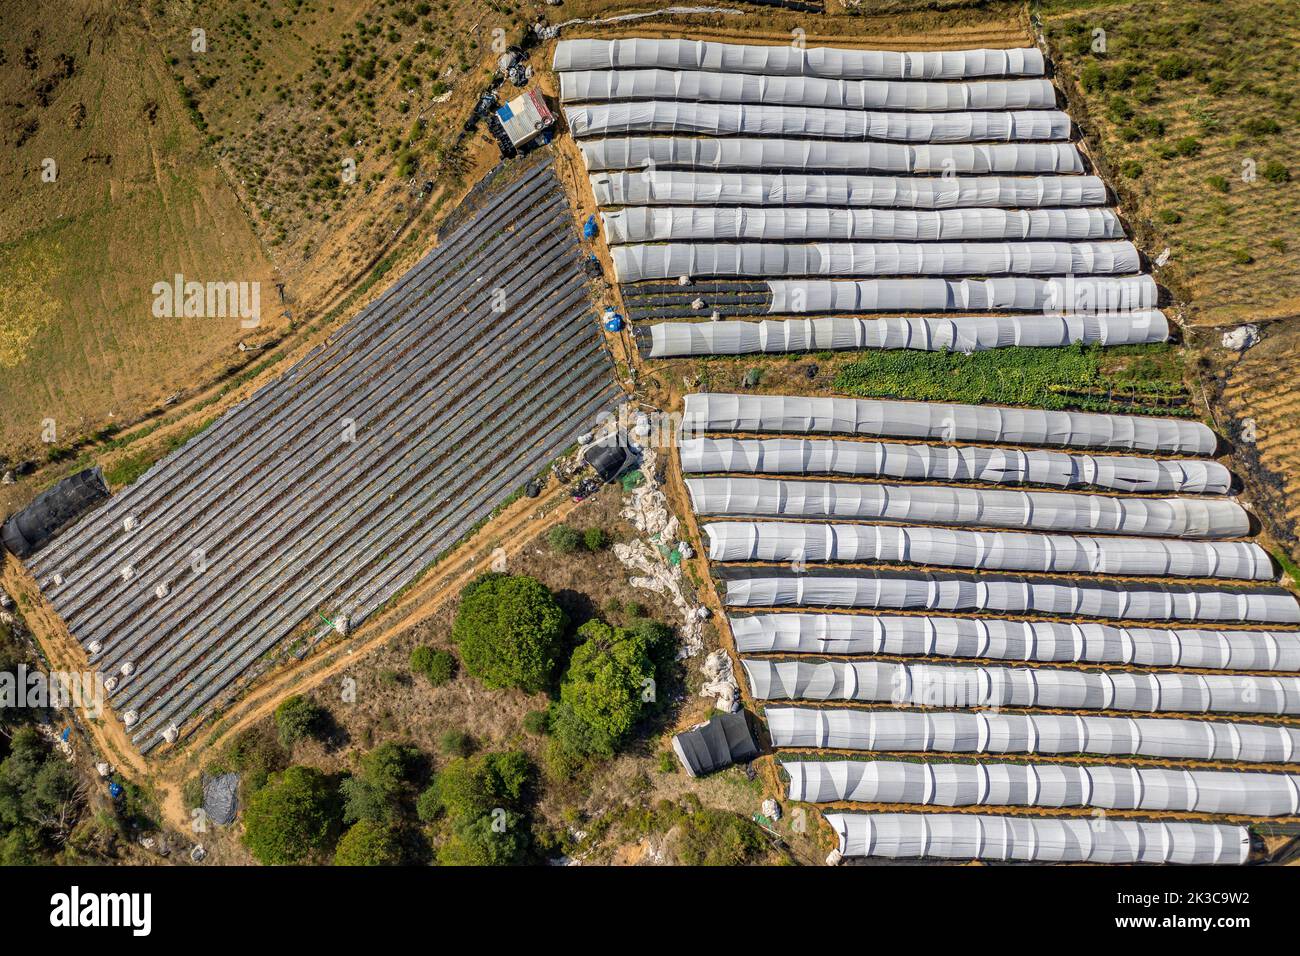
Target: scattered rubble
<point>655,559</point>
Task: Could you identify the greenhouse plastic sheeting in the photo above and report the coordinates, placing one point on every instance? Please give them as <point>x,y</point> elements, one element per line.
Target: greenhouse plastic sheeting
<point>702,86</point>
<point>789,60</point>
<point>684,187</point>
<point>965,836</point>
<point>976,507</point>
<point>734,119</point>
<point>635,263</point>
<point>967,333</point>
<point>908,731</point>
<point>950,685</point>
<point>784,541</point>
<point>1003,466</point>
<point>782,155</point>
<point>1009,594</point>
<point>1045,641</point>
<point>1151,789</point>
<point>719,411</point>
<point>1117,294</point>
<point>672,223</point>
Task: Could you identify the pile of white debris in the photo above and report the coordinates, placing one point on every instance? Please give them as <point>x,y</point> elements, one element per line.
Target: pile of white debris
<point>656,563</point>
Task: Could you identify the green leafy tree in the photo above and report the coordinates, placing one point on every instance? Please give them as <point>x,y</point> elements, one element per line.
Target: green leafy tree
<point>509,630</point>
<point>609,681</point>
<point>479,807</point>
<point>296,815</point>
<point>40,800</point>
<point>499,839</point>
<point>368,843</point>
<point>377,792</point>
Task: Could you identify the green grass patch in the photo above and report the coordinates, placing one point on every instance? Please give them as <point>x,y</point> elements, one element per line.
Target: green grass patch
<point>133,466</point>
<point>1132,379</point>
<point>1289,567</point>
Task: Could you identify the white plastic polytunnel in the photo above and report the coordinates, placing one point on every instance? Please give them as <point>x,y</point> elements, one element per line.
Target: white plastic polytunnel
<point>1053,785</point>
<point>790,60</point>
<point>784,541</point>
<point>1110,294</point>
<point>793,155</point>
<point>951,685</point>
<point>975,507</point>
<point>635,263</point>
<point>721,411</point>
<point>685,187</point>
<point>907,731</point>
<point>1044,641</point>
<point>701,86</point>
<point>920,591</point>
<point>1001,466</point>
<point>734,119</point>
<point>967,333</point>
<point>673,223</point>
<point>965,836</point>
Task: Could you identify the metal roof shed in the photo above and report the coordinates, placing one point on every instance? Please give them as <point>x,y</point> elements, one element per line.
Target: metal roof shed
<point>524,117</point>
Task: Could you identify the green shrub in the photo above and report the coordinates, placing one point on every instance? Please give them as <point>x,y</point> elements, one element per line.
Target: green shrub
<point>509,631</point>
<point>595,539</point>
<point>294,816</point>
<point>1241,257</point>
<point>298,718</point>
<point>634,609</point>
<point>563,539</point>
<point>1276,172</point>
<point>1218,183</point>
<point>1173,67</point>
<point>667,762</point>
<point>535,722</point>
<point>1188,146</point>
<point>1119,109</point>
<point>255,754</point>
<point>1131,169</point>
<point>1262,126</point>
<point>612,607</point>
<point>1149,125</point>
<point>437,666</point>
<point>456,743</point>
<point>711,837</point>
<point>1092,78</point>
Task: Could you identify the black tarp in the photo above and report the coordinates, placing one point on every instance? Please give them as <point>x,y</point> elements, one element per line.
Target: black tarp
<point>27,531</point>
<point>609,457</point>
<point>724,740</point>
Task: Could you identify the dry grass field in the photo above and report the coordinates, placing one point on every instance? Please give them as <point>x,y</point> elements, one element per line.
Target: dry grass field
<point>132,202</point>
<point>1193,111</point>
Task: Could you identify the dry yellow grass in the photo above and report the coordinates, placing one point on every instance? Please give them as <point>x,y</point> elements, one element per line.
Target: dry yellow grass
<point>133,202</point>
